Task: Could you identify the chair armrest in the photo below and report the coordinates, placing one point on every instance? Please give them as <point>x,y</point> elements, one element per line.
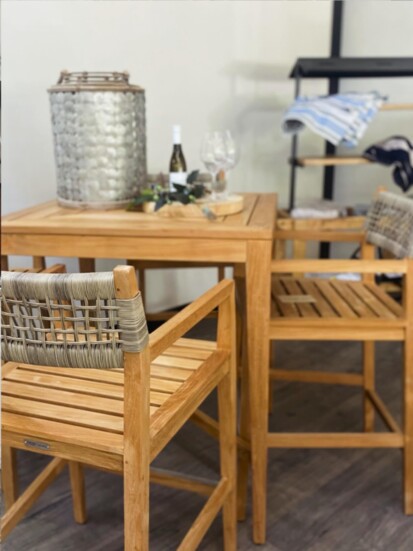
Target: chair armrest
<point>176,327</point>
<point>301,265</point>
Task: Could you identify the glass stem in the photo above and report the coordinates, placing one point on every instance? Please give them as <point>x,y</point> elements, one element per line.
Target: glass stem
<point>214,195</point>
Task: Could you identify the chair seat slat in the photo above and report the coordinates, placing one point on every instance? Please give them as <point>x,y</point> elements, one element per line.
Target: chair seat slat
<point>78,384</point>
<point>286,309</point>
<point>378,307</point>
<point>344,288</point>
<point>321,305</point>
<point>293,287</point>
<point>334,299</point>
<point>69,415</point>
<point>385,299</point>
<point>87,402</point>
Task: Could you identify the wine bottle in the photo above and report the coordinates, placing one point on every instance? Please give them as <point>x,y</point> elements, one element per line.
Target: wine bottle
<point>177,164</point>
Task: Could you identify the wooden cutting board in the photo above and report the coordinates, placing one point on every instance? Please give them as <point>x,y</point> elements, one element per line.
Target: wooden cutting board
<point>231,205</point>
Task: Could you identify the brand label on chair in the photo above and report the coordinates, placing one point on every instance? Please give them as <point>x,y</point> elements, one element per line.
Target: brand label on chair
<point>36,444</point>
<point>296,298</point>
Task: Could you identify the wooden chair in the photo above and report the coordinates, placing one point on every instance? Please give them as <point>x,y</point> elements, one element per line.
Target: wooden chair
<point>86,384</point>
<point>306,308</point>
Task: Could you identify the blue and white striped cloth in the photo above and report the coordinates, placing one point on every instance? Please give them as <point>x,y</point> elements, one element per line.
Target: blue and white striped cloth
<point>340,118</point>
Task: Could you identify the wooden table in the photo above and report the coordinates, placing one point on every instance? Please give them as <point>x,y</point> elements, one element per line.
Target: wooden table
<point>244,238</point>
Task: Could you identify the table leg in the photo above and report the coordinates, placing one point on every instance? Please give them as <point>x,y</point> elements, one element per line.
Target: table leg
<point>9,476</point>
<point>39,262</point>
<point>244,456</point>
<point>258,283</point>
<point>244,423</point>
<point>87,265</point>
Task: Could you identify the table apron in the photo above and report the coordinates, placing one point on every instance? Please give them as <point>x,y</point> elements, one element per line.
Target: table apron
<point>134,248</point>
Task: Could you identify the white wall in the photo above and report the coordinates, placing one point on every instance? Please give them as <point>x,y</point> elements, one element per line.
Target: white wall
<point>203,64</point>
<point>370,29</point>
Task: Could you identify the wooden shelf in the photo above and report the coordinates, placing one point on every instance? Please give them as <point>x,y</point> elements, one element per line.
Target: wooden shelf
<point>347,159</point>
<point>352,67</point>
<point>330,161</point>
<point>396,107</point>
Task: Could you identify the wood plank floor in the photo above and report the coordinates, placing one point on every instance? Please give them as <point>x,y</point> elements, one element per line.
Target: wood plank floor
<point>321,500</point>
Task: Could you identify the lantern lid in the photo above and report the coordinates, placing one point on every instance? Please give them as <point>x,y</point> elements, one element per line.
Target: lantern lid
<point>111,81</point>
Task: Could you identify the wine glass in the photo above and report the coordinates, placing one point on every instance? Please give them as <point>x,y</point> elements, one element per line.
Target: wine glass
<point>209,156</point>
<point>218,153</point>
<point>231,151</point>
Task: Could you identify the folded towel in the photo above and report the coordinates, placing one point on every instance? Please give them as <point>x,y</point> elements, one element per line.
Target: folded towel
<point>395,151</point>
<point>339,118</point>
<point>318,208</point>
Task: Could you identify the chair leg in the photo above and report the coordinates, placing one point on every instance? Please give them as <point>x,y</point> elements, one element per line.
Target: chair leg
<point>368,374</point>
<point>408,424</point>
<point>9,476</point>
<point>242,355</point>
<point>240,319</point>
<point>39,262</point>
<point>136,449</point>
<point>270,384</point>
<point>228,455</point>
<point>77,482</point>
<point>244,457</point>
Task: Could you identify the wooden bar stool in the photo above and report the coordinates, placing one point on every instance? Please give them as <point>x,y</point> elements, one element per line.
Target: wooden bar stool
<point>307,308</point>
<point>83,382</point>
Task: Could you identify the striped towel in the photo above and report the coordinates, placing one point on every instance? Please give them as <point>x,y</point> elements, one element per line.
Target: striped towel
<point>340,119</point>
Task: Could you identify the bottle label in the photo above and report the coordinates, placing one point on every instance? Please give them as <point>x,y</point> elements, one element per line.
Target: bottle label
<point>177,178</point>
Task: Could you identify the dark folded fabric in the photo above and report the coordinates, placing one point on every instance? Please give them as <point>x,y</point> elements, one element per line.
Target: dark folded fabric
<point>395,151</point>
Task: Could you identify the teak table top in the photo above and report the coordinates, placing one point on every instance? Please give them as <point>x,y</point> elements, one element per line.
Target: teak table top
<point>256,221</point>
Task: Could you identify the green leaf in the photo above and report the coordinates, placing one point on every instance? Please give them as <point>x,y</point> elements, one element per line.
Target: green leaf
<point>179,187</point>
<point>192,176</point>
<point>198,191</point>
<point>140,200</point>
<point>181,197</point>
<point>183,194</point>
<point>160,202</point>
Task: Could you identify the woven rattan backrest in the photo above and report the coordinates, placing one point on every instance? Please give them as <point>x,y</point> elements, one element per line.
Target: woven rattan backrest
<point>390,224</point>
<point>69,320</point>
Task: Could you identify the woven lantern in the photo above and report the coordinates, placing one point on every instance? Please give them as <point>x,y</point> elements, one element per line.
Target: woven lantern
<point>98,122</point>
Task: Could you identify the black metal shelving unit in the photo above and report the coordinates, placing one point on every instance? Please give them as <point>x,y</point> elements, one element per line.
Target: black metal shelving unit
<point>333,69</point>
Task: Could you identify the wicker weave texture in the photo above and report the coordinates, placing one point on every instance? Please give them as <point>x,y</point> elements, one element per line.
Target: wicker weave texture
<point>390,224</point>
<point>69,320</point>
<point>100,146</point>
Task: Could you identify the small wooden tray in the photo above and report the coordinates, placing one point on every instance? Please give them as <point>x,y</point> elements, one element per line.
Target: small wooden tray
<point>232,205</point>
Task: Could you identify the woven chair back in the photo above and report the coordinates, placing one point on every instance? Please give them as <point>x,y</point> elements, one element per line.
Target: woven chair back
<point>69,320</point>
<point>389,224</point>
